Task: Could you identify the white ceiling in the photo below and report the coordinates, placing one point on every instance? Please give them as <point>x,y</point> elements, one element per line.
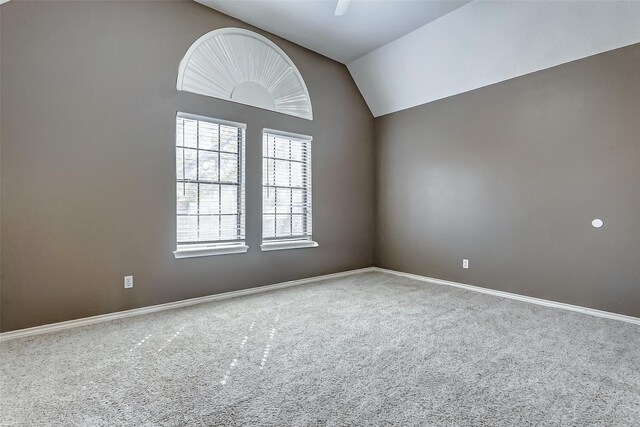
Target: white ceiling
<point>486,42</point>
<point>404,53</point>
<point>367,25</point>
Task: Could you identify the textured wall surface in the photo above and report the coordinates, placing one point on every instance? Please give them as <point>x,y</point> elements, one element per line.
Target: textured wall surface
<point>510,177</point>
<point>88,162</point>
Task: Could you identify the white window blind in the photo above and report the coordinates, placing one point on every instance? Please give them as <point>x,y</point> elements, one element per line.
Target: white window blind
<point>286,191</point>
<point>209,182</point>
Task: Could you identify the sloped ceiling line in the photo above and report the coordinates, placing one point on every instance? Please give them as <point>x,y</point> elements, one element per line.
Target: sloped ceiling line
<point>486,42</point>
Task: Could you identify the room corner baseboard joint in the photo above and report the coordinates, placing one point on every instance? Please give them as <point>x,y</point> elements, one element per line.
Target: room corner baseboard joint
<point>54,327</point>
<point>517,297</point>
<point>59,326</point>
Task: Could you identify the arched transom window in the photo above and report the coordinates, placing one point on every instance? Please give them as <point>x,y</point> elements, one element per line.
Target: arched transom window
<point>242,66</point>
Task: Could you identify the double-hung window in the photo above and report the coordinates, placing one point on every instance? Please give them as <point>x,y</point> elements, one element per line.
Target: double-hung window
<point>210,210</point>
<point>286,191</point>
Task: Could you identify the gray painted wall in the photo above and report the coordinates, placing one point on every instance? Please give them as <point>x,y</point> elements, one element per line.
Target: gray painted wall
<point>510,176</point>
<point>87,170</point>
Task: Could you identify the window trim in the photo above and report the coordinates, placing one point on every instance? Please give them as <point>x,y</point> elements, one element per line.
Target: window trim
<point>224,247</point>
<point>189,116</point>
<point>209,250</point>
<point>279,245</point>
<point>287,134</point>
<point>287,242</point>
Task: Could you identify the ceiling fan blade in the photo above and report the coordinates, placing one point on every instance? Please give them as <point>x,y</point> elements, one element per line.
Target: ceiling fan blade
<point>342,7</point>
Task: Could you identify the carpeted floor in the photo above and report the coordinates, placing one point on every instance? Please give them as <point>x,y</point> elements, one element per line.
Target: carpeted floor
<point>368,350</point>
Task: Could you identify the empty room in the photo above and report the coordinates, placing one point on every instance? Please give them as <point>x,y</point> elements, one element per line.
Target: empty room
<point>319,213</point>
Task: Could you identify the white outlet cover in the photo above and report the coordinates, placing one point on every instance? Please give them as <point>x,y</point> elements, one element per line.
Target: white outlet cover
<point>128,282</point>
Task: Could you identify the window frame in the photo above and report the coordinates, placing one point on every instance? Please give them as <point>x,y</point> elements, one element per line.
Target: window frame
<point>223,247</point>
<point>290,242</point>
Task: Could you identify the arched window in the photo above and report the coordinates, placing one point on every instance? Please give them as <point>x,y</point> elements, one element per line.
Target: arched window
<point>242,66</point>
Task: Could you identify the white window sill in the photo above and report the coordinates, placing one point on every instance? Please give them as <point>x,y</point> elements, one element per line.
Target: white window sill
<point>278,246</point>
<point>209,251</point>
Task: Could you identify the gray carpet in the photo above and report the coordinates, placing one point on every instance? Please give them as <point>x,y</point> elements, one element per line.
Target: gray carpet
<point>370,350</point>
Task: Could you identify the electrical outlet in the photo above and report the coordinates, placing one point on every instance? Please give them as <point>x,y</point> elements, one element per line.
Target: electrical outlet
<point>465,263</point>
<point>128,282</point>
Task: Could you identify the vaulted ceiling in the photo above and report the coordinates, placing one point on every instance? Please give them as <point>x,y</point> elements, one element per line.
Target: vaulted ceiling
<point>404,53</point>
<point>365,25</point>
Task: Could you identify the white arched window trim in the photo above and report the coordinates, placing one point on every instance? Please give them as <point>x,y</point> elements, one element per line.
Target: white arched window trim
<point>222,65</point>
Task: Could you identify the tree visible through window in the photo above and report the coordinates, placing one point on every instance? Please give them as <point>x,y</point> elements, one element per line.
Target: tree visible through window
<point>286,192</point>
<point>209,182</point>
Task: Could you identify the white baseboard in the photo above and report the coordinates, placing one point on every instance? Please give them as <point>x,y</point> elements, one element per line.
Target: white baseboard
<point>532,300</point>
<point>53,327</point>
